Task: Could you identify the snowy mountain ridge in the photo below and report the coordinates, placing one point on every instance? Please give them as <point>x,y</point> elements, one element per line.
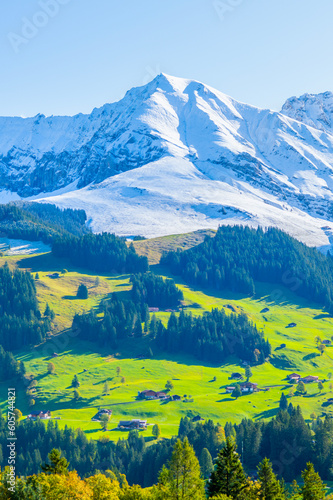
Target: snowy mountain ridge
<point>177,155</point>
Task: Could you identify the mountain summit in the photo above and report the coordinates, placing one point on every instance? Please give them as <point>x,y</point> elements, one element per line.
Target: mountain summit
<point>177,155</point>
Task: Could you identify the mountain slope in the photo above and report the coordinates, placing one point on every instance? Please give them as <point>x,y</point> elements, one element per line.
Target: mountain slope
<point>177,155</point>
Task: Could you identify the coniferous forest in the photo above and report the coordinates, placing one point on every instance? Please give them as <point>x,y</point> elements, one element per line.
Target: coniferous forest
<point>21,323</point>
<point>40,222</point>
<point>269,454</point>
<point>214,336</point>
<point>101,253</point>
<point>238,256</point>
<point>155,291</point>
<point>211,337</point>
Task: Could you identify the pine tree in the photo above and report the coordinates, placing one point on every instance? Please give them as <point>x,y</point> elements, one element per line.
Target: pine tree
<point>75,381</point>
<point>283,402</point>
<point>182,480</point>
<point>206,463</point>
<point>313,488</point>
<point>270,487</point>
<point>58,464</point>
<point>228,477</point>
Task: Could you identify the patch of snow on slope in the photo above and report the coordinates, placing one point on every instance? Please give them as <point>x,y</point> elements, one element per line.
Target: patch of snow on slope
<point>173,196</point>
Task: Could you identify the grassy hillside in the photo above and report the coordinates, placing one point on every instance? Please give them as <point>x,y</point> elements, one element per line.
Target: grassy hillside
<point>94,366</point>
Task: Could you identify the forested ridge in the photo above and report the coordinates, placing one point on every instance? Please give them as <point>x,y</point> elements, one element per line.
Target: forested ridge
<point>239,256</point>
<point>101,253</point>
<point>40,222</point>
<point>21,323</point>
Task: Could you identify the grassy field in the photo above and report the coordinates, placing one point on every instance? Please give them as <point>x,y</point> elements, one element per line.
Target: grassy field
<point>191,378</point>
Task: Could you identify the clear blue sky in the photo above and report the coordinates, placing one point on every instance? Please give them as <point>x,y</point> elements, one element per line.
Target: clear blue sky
<point>91,51</point>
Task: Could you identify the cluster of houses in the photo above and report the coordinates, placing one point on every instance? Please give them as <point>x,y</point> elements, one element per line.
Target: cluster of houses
<point>42,415</point>
<point>245,387</point>
<point>150,395</point>
<point>295,378</point>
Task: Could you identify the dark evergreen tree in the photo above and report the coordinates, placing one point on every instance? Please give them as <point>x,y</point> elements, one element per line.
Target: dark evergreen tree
<point>228,478</point>
<point>82,292</point>
<point>206,463</point>
<point>283,402</point>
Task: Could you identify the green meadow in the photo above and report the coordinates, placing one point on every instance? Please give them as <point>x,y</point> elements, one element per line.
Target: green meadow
<point>203,385</point>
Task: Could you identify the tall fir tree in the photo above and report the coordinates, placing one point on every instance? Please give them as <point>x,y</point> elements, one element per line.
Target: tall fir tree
<point>206,463</point>
<point>228,478</point>
<point>283,402</point>
<point>270,487</point>
<point>313,488</point>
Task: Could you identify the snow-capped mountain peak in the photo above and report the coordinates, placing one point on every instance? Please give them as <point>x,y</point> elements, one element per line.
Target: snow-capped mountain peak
<point>185,151</point>
<point>315,110</point>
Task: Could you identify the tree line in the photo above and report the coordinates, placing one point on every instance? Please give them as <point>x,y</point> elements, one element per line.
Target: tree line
<point>40,222</point>
<point>101,253</point>
<point>238,256</point>
<point>211,337</point>
<point>21,322</point>
<point>180,478</point>
<point>214,336</point>
<point>9,366</point>
<point>121,318</point>
<point>288,441</point>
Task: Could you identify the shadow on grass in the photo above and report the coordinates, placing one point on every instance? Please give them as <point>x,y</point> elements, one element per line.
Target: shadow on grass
<point>310,356</point>
<point>225,400</point>
<point>268,413</point>
<point>70,297</point>
<point>323,316</point>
